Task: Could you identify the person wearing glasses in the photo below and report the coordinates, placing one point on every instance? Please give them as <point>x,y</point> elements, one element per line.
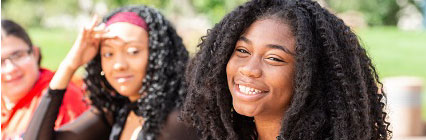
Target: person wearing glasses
<point>23,82</point>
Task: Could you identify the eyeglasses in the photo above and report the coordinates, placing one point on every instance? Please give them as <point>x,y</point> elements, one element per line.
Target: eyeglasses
<point>17,58</point>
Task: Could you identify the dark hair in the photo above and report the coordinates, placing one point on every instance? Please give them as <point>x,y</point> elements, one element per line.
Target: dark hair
<point>335,84</point>
<point>163,82</point>
<point>9,27</point>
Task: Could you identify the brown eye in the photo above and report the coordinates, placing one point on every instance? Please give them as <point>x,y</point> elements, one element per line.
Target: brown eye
<point>242,51</point>
<point>107,55</point>
<point>132,51</point>
<point>275,59</point>
<point>18,55</point>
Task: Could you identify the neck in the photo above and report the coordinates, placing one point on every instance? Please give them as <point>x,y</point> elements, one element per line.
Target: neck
<point>134,98</point>
<point>268,127</point>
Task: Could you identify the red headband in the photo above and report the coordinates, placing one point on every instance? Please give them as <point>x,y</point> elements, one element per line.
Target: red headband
<point>129,17</point>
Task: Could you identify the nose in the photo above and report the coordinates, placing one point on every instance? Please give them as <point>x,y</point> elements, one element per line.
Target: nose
<point>120,63</point>
<point>251,68</point>
<point>8,69</point>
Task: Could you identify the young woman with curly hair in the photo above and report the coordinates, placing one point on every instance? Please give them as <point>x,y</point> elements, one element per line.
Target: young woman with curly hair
<point>284,69</point>
<point>135,61</point>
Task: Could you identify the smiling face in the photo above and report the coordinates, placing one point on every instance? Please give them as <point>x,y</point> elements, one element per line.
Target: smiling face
<point>125,58</point>
<point>260,71</point>
<point>21,71</point>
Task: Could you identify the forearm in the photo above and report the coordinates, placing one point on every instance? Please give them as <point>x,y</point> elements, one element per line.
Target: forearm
<point>62,77</point>
<point>92,124</point>
<point>43,121</point>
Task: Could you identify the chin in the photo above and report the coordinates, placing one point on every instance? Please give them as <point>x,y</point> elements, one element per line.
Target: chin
<point>125,93</point>
<point>129,91</point>
<point>244,109</point>
<point>124,90</point>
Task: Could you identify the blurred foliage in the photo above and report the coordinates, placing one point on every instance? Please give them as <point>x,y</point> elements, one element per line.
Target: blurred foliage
<point>31,12</point>
<point>376,12</point>
<point>118,3</point>
<point>215,9</point>
<point>36,10</point>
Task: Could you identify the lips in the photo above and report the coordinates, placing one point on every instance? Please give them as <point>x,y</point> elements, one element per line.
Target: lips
<point>13,79</point>
<point>123,79</point>
<point>249,90</point>
<point>250,84</point>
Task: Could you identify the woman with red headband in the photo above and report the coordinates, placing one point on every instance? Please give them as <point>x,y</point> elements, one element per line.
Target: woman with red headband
<point>134,63</point>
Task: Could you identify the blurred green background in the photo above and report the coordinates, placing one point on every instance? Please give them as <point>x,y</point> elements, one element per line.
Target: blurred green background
<point>391,30</point>
<point>394,51</point>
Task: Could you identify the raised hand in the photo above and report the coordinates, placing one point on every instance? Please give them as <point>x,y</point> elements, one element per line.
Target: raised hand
<point>86,45</point>
<point>84,49</point>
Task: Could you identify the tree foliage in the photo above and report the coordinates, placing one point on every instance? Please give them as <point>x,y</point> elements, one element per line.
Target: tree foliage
<point>376,12</point>
<point>31,12</point>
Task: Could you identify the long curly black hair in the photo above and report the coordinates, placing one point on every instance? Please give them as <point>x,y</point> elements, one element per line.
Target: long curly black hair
<point>163,83</point>
<point>336,87</point>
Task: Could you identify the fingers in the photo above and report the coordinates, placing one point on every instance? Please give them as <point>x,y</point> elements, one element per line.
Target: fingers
<point>100,32</point>
<point>91,26</point>
<point>92,30</point>
<point>106,35</point>
<point>86,39</point>
<point>100,27</point>
<point>95,20</point>
<point>95,33</point>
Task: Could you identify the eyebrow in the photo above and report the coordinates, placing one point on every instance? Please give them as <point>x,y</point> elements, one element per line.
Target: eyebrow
<point>111,43</point>
<point>13,53</point>
<point>120,40</point>
<point>272,46</point>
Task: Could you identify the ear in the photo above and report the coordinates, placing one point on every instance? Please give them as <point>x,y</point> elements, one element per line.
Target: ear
<point>36,52</point>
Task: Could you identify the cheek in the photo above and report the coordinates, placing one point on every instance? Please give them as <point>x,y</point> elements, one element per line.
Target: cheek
<point>230,71</point>
<point>283,86</point>
<point>141,62</point>
<point>31,70</point>
<point>105,65</point>
<point>231,67</point>
<point>139,67</point>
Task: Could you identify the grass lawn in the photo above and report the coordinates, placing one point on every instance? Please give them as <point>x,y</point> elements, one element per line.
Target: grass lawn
<point>54,44</point>
<point>394,52</point>
<point>397,53</point>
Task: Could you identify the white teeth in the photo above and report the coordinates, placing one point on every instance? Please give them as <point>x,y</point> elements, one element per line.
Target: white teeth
<point>248,90</point>
<point>121,80</point>
<point>8,77</point>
